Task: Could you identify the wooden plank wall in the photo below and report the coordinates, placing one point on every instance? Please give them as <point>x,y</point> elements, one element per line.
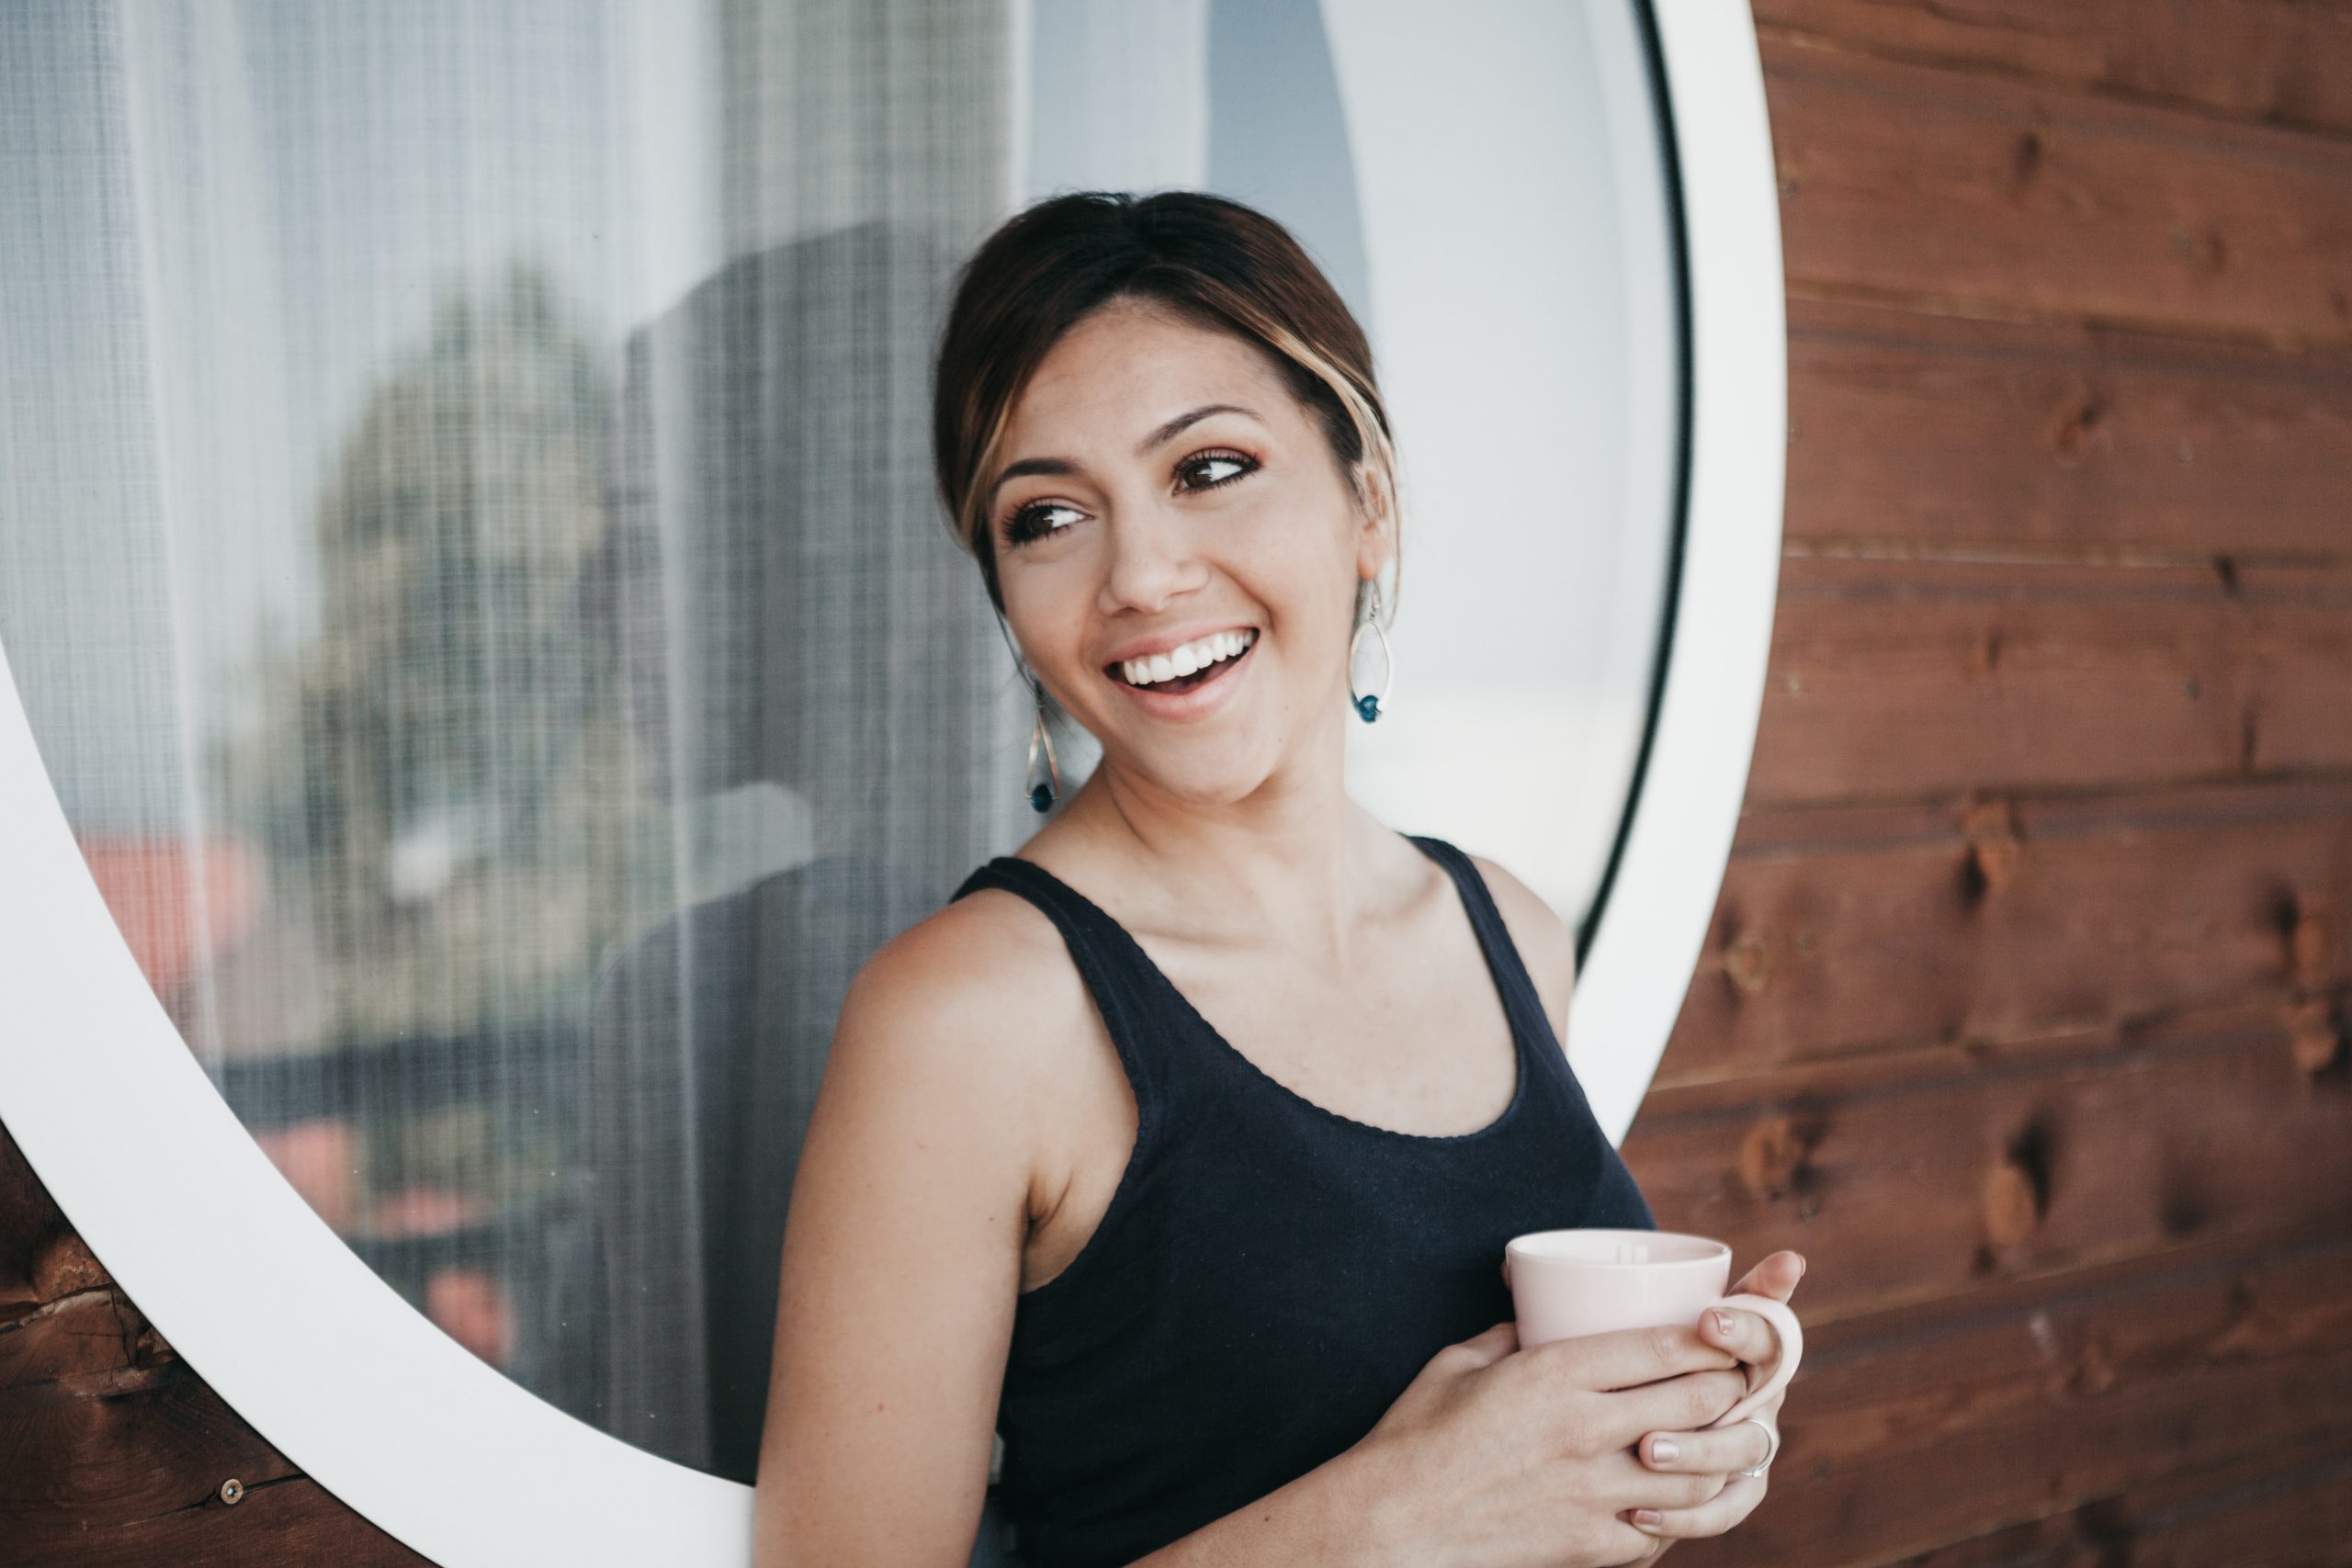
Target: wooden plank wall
<point>2025,1011</point>
<point>2024,1014</point>
<point>112,1449</point>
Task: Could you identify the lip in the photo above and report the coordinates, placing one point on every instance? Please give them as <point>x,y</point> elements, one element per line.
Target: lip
<point>1195,701</point>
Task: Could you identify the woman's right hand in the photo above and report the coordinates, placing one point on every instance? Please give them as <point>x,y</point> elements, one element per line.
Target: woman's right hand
<point>1495,1457</point>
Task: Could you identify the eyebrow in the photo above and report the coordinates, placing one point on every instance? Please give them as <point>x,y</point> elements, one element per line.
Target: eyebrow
<point>1159,437</point>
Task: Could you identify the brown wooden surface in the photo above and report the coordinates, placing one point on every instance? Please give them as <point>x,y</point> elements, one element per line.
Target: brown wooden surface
<point>2289,61</point>
<point>1845,931</point>
<point>2026,1012</point>
<point>1988,195</point>
<point>1946,433</point>
<point>1914,1175</point>
<point>2261,1513</point>
<point>112,1449</point>
<point>2063,1395</point>
<point>1895,676</point>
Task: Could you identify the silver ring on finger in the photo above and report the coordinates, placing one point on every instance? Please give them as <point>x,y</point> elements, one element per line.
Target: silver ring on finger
<point>1772,1434</point>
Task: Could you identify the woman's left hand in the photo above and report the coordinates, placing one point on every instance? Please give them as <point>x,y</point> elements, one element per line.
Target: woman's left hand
<point>1726,1450</point>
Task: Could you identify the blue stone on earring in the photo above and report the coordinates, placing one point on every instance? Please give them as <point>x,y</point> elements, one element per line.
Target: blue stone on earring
<point>1367,704</point>
<point>1045,784</point>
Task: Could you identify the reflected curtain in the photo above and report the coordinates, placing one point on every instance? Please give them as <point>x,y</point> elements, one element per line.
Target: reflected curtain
<point>468,554</point>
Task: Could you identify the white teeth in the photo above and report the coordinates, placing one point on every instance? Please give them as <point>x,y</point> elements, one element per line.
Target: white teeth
<point>1193,656</point>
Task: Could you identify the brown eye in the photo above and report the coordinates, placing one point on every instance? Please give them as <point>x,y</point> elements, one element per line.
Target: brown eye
<point>1215,469</point>
<point>1034,520</point>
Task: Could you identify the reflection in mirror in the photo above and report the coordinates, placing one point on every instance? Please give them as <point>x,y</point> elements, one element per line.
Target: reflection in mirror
<point>471,567</point>
<point>496,651</point>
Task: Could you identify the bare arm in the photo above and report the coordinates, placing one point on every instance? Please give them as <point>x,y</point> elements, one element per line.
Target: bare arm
<point>1320,1520</point>
<point>901,1265</point>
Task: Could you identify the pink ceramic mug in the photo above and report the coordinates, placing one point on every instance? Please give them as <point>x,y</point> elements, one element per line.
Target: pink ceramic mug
<point>1571,1282</point>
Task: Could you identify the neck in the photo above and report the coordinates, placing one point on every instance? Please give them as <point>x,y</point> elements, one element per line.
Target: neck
<point>1292,860</point>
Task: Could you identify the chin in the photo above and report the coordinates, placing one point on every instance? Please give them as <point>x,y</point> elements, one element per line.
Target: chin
<point>1204,782</point>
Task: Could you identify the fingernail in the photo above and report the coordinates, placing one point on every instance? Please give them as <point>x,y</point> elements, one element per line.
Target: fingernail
<point>1801,1268</point>
<point>1649,1518</point>
<point>1722,1324</point>
<point>1663,1450</point>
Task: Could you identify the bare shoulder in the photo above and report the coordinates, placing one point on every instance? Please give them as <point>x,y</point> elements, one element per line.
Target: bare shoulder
<point>1544,941</point>
<point>948,1072</point>
<point>968,991</point>
<point>903,1249</point>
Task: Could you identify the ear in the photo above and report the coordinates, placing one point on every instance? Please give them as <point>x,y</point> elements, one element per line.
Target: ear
<point>1376,532</point>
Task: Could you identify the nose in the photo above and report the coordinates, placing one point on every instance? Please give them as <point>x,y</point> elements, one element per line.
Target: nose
<point>1153,561</point>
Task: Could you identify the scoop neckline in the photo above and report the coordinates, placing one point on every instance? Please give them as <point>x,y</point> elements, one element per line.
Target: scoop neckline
<point>1523,1056</point>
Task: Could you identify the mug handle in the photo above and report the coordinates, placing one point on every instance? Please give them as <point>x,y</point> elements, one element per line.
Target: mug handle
<point>1792,1349</point>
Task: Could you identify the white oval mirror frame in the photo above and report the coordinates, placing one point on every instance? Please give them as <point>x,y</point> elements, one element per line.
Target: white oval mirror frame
<point>101,1094</point>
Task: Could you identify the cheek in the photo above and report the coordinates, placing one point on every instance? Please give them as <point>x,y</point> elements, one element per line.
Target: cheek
<point>1290,554</point>
<point>1311,590</point>
<point>1046,606</point>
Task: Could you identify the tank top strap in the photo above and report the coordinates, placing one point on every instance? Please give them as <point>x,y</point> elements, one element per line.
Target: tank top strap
<point>1520,998</point>
<point>1118,974</point>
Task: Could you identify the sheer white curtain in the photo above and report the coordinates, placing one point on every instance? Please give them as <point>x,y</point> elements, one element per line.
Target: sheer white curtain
<point>468,551</point>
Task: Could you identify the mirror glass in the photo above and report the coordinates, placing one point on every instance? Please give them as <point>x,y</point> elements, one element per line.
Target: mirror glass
<point>468,556</point>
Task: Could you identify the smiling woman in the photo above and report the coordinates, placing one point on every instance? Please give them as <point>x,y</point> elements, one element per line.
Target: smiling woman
<point>1219,1099</point>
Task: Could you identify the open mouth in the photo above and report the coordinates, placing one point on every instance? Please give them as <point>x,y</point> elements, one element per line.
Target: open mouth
<point>1197,663</point>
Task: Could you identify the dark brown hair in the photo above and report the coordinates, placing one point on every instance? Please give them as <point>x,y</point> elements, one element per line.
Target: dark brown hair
<point>1214,261</point>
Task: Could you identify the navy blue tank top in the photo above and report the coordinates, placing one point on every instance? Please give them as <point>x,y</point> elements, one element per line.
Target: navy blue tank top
<point>1270,1274</point>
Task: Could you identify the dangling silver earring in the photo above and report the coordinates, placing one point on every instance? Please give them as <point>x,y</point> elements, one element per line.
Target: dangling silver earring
<point>1043,791</point>
<point>1367,704</point>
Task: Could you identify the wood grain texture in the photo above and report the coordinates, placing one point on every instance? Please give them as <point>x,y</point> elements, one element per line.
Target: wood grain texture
<point>2266,1511</point>
<point>1944,432</point>
<point>277,1524</point>
<point>112,1449</point>
<point>1991,196</point>
<point>1924,1174</point>
<point>2070,1396</point>
<point>2025,1013</point>
<point>1895,676</point>
<point>2286,62</point>
<point>1847,929</point>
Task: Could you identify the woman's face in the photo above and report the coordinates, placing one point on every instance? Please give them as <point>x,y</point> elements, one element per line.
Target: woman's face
<point>1167,505</point>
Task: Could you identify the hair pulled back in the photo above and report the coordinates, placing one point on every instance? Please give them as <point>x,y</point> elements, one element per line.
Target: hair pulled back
<point>1211,260</point>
